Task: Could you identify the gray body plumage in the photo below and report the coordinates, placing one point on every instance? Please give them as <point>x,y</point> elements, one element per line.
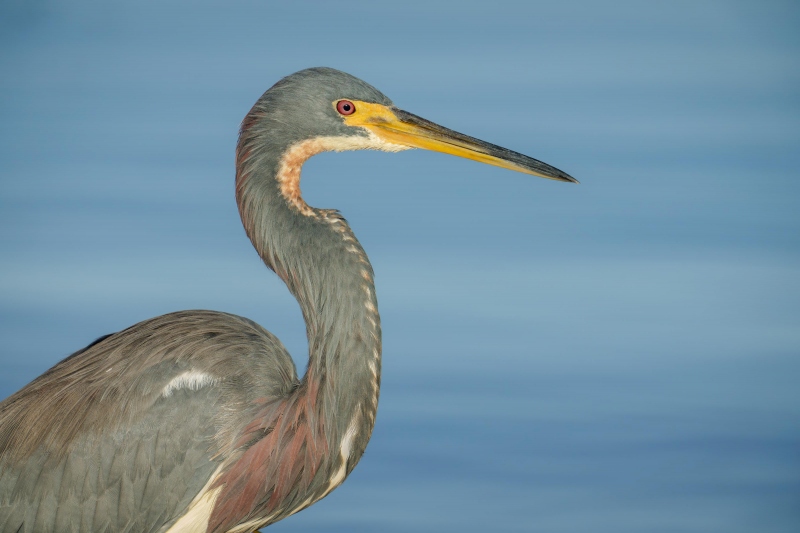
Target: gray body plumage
<point>95,445</point>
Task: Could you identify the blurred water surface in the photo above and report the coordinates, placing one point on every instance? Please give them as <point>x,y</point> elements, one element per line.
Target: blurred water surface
<point>618,356</point>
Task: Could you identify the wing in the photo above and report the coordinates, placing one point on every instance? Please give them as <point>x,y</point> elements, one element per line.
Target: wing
<point>134,479</point>
<point>123,435</point>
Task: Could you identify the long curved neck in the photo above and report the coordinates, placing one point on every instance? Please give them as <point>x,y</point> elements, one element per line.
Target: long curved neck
<point>322,263</point>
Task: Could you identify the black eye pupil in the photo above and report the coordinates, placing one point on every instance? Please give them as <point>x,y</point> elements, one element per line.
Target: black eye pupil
<point>346,107</point>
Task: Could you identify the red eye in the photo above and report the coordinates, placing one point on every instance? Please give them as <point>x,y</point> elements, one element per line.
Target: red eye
<point>345,107</point>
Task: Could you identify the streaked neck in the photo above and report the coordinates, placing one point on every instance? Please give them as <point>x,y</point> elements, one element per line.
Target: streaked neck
<point>324,266</point>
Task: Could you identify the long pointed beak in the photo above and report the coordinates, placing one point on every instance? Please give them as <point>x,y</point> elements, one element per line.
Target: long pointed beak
<point>401,127</point>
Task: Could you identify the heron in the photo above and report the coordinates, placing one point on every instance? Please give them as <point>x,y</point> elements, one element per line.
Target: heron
<point>197,421</point>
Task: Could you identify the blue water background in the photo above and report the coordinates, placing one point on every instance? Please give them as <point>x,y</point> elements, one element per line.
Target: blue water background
<point>617,356</point>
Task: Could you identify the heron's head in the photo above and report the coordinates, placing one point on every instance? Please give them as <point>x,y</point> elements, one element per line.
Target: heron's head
<point>321,109</point>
